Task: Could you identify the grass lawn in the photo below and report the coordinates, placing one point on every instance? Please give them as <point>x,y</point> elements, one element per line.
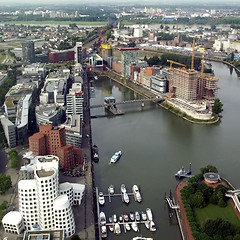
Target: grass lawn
<point>52,22</point>
<point>213,212</point>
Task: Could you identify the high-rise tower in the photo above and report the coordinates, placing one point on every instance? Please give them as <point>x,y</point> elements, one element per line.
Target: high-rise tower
<point>28,52</point>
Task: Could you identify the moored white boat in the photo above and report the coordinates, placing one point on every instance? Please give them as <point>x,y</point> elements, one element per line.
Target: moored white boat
<point>102,217</point>
<point>136,193</point>
<point>144,215</point>
<point>132,216</point>
<point>103,231</point>
<point>126,198</point>
<point>121,218</point>
<point>135,227</point>
<point>116,156</point>
<point>137,216</point>
<point>147,224</point>
<point>101,198</point>
<point>152,226</point>
<point>123,188</point>
<point>125,217</point>
<point>114,218</point>
<point>127,225</point>
<point>111,226</point>
<point>149,214</point>
<point>111,189</point>
<point>117,229</point>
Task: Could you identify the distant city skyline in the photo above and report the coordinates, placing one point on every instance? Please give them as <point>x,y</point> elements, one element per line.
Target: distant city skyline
<point>148,2</point>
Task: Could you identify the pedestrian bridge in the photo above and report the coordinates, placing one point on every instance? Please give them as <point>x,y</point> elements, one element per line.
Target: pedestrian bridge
<point>155,100</point>
<point>234,195</point>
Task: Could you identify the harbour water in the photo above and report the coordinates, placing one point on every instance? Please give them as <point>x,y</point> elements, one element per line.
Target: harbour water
<point>155,144</point>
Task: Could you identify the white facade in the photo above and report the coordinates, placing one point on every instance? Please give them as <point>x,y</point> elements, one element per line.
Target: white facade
<point>138,31</point>
<point>28,204</point>
<point>13,222</point>
<point>47,191</point>
<point>10,131</point>
<point>45,202</point>
<point>63,215</point>
<point>74,100</point>
<point>158,84</point>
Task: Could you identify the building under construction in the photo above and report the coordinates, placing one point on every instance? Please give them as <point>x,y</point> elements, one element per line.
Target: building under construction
<point>184,84</point>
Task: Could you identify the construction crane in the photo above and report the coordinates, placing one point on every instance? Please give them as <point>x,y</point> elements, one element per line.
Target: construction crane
<point>193,54</point>
<point>171,73</point>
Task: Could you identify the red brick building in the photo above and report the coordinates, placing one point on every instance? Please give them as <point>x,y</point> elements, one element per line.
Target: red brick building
<point>69,157</point>
<point>52,141</point>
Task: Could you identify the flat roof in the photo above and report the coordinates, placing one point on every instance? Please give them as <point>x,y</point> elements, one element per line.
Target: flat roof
<point>13,217</point>
<point>57,234</point>
<point>44,173</point>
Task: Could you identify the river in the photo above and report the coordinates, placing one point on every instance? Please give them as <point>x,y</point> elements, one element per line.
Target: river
<point>156,143</point>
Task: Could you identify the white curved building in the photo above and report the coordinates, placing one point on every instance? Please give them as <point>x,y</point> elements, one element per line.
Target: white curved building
<point>47,191</point>
<point>63,215</point>
<point>66,188</point>
<point>13,222</point>
<point>28,204</point>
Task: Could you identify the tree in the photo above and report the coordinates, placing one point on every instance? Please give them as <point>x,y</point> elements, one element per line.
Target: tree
<point>208,168</point>
<point>218,106</point>
<point>108,34</point>
<point>197,200</point>
<point>75,237</point>
<point>5,183</point>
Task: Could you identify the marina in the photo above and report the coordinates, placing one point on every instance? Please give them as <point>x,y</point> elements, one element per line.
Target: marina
<point>126,221</point>
<point>123,194</point>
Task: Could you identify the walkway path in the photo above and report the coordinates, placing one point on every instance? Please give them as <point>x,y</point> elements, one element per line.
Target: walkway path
<point>184,225</point>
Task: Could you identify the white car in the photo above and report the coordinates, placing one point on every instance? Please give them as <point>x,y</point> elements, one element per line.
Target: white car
<point>101,198</point>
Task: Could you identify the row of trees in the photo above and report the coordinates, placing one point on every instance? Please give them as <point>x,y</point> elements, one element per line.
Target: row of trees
<point>198,195</point>
<point>5,183</point>
<point>14,158</point>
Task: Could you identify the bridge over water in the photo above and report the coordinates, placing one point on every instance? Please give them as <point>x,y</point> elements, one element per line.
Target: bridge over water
<point>155,100</point>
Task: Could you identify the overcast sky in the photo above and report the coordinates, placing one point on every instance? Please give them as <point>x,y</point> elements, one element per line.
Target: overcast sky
<point>211,2</point>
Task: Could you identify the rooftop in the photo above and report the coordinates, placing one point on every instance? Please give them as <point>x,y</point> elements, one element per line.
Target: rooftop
<point>12,217</point>
<point>44,235</point>
<point>45,173</point>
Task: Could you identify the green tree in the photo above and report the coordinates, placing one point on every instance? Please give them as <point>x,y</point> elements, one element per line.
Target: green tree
<point>218,106</point>
<point>13,155</point>
<point>197,200</point>
<point>5,183</point>
<point>108,34</point>
<point>75,237</point>
<point>208,168</point>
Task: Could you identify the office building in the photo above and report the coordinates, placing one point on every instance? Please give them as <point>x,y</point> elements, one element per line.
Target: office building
<point>13,222</point>
<point>28,52</point>
<point>78,53</point>
<point>74,100</point>
<point>10,132</point>
<point>128,56</point>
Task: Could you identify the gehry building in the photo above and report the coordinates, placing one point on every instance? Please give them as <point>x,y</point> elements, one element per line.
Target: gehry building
<point>42,200</point>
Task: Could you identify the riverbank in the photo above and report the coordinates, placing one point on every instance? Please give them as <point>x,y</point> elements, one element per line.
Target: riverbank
<point>146,93</point>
